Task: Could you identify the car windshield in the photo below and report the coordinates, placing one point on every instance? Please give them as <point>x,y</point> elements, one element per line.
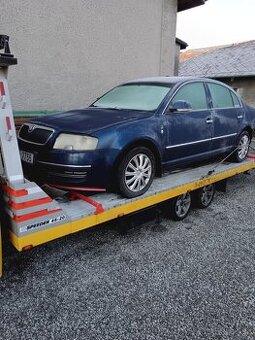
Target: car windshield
<point>144,97</point>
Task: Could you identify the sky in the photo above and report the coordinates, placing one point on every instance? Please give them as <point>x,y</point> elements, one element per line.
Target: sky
<point>218,22</point>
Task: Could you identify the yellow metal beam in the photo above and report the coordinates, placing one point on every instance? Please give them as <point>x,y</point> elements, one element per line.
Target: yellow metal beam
<point>40,237</point>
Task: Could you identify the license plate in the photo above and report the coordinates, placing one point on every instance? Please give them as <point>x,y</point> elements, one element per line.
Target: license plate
<point>27,157</point>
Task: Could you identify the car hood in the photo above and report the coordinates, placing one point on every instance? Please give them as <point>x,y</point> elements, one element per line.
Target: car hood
<point>89,120</point>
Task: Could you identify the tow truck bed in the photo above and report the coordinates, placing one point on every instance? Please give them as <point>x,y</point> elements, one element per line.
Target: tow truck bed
<point>80,215</point>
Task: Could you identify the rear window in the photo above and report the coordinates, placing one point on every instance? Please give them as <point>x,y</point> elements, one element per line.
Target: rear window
<point>221,96</point>
<point>236,100</point>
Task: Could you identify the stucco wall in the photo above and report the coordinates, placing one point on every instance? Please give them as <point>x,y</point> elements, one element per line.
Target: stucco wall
<point>69,52</point>
<point>245,87</point>
<point>177,59</point>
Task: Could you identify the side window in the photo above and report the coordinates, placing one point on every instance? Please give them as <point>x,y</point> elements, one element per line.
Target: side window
<point>235,100</point>
<point>221,96</point>
<point>193,93</point>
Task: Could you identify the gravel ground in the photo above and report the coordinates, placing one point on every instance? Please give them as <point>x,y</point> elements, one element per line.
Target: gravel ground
<point>193,279</point>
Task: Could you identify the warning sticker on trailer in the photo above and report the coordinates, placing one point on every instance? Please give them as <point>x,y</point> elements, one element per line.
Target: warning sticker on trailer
<point>43,223</point>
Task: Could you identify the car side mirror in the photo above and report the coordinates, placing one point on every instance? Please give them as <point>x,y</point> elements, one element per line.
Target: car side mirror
<point>180,106</point>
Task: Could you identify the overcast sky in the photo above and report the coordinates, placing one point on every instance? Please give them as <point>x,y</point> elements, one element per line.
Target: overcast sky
<point>218,22</point>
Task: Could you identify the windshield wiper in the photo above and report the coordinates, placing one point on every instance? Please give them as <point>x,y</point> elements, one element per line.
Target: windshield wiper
<point>110,108</point>
<point>120,109</point>
<point>105,107</point>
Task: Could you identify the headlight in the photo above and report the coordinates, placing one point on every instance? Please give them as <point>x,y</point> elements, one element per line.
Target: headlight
<point>75,142</point>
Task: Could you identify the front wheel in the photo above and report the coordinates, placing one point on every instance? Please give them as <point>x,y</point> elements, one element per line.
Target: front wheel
<point>243,145</point>
<point>136,172</point>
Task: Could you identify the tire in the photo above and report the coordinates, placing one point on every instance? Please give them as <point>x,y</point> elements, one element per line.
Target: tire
<point>136,172</point>
<point>203,197</point>
<point>243,144</point>
<point>180,207</point>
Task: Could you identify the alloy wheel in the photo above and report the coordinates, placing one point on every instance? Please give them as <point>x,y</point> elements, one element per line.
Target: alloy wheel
<point>182,205</point>
<point>138,172</point>
<point>243,146</point>
<point>206,195</point>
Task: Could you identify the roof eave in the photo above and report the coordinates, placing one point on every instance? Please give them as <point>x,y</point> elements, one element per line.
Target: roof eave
<point>183,5</point>
<point>182,43</point>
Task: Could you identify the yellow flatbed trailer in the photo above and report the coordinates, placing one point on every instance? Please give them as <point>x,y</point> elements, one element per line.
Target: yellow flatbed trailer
<point>80,215</point>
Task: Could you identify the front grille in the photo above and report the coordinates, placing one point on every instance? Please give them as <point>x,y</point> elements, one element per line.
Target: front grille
<point>69,174</point>
<point>35,134</point>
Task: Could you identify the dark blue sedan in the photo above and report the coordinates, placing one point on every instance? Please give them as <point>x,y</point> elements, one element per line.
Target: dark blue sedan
<point>136,131</point>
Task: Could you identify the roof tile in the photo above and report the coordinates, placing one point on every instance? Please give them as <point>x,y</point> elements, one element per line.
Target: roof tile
<point>223,61</point>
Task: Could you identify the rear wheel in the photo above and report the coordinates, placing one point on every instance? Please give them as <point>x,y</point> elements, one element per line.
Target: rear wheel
<point>242,147</point>
<point>136,172</point>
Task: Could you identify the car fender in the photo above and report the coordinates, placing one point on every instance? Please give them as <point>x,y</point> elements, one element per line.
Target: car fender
<point>114,142</point>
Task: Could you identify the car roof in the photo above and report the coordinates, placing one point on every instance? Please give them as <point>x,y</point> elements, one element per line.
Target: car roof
<point>172,81</point>
<point>163,80</point>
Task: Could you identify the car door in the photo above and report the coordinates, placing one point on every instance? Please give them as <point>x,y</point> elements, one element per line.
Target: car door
<point>189,131</point>
<point>227,115</point>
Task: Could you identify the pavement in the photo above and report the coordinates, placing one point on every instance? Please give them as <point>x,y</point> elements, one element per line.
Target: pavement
<point>151,279</point>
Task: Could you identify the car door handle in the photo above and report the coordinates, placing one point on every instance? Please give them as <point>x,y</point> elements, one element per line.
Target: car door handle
<point>240,116</point>
<point>209,121</point>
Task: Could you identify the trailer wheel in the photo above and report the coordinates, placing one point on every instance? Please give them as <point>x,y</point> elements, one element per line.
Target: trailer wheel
<point>203,197</point>
<point>180,207</point>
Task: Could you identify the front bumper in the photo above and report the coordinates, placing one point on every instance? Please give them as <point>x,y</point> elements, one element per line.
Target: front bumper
<point>49,172</point>
<point>94,168</point>
<point>86,170</point>
<point>66,170</point>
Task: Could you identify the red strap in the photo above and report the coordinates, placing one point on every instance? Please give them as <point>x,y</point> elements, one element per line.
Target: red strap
<point>69,187</point>
<point>251,156</point>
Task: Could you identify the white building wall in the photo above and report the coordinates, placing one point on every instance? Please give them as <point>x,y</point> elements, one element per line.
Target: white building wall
<point>70,52</point>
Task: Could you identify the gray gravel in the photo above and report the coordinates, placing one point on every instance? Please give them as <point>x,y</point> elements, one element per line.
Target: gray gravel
<point>159,280</point>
